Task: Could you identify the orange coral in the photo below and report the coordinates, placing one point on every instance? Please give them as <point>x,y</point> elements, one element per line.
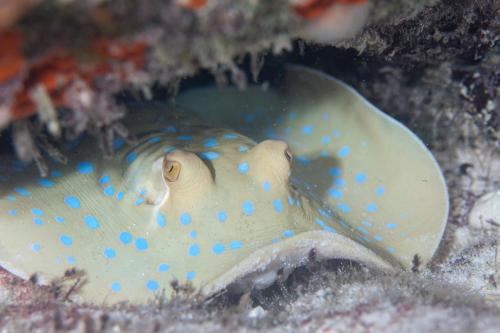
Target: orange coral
<point>58,69</point>
<point>11,60</point>
<point>192,4</point>
<point>311,9</point>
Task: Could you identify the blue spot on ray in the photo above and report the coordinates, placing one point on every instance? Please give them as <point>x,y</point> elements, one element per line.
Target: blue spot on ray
<point>210,143</point>
<point>37,211</point>
<point>248,208</point>
<point>152,285</point>
<point>320,222</point>
<point>343,207</point>
<point>12,212</point>
<point>194,250</point>
<point>335,172</point>
<point>59,219</point>
<point>277,205</point>
<point>362,230</point>
<point>170,129</point>
<point>162,268</point>
<point>190,275</point>
<point>222,216</point>
<point>218,248</point>
<point>307,129</point>
<point>335,193</point>
<point>243,167</point>
<point>104,180</point>
<point>161,220</point>
<point>193,234</point>
<point>109,253</point>
<point>235,245</point>
<point>85,168</point>
<point>66,240</point>
<point>329,229</point>
<point>109,191</point>
<point>185,218</point>
<point>118,143</point>
<point>131,157</point>
<point>56,174</point>
<point>360,178</point>
<point>92,222</point>
<point>125,237</point>
<point>209,155</point>
<point>371,208</point>
<point>326,140</point>
<point>288,233</point>
<point>22,191</point>
<point>72,202</point>
<point>380,191</point>
<point>185,137</point>
<point>344,151</point>
<point>37,221</point>
<point>141,244</point>
<point>45,183</point>
<point>116,287</point>
<point>266,186</point>
<point>230,136</point>
<point>168,150</point>
<point>154,139</point>
<point>340,182</point>
<point>391,226</point>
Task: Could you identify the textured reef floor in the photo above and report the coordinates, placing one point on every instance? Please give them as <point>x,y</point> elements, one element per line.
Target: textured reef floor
<point>446,89</point>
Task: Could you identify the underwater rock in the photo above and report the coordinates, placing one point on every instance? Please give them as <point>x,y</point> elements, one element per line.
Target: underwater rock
<point>486,212</point>
<point>197,200</point>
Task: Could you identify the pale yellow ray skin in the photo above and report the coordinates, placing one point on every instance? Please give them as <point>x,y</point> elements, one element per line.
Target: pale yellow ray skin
<point>410,215</point>
<point>203,189</point>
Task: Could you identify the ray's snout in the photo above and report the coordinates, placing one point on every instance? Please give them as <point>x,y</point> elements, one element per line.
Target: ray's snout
<point>273,159</point>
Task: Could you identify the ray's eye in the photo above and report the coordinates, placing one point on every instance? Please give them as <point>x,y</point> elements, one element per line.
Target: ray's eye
<point>289,156</point>
<point>171,170</point>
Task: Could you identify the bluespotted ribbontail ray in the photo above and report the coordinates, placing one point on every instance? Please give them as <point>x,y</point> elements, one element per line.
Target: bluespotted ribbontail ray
<point>206,204</point>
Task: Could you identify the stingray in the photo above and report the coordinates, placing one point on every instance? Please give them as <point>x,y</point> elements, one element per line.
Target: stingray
<point>228,189</point>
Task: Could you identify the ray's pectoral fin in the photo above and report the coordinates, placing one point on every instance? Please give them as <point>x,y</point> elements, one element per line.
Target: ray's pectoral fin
<point>385,184</point>
<point>262,268</point>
